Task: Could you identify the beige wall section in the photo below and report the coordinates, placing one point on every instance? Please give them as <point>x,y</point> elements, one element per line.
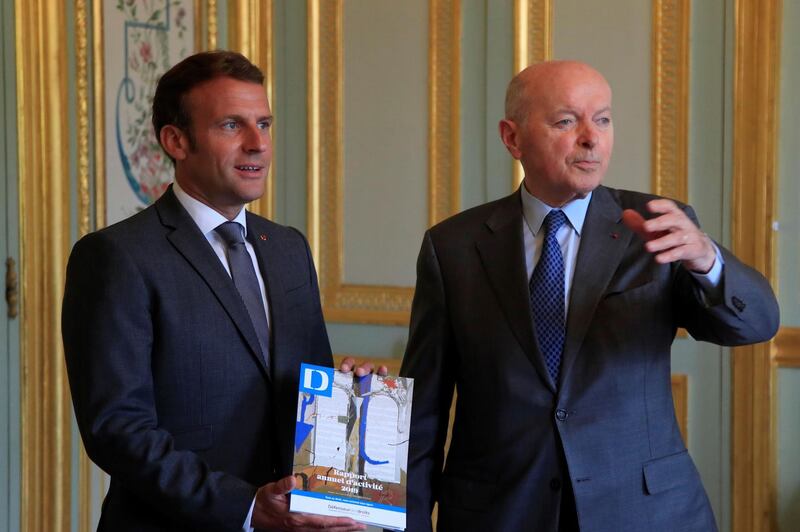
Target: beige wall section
<point>614,37</point>
<point>385,139</point>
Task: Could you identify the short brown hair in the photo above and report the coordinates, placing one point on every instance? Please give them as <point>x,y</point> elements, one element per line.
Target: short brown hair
<point>169,105</point>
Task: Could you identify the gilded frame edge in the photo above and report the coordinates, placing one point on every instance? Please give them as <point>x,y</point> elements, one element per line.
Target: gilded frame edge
<point>373,304</point>
<point>755,126</point>
<point>44,222</point>
<point>786,348</point>
<point>670,98</point>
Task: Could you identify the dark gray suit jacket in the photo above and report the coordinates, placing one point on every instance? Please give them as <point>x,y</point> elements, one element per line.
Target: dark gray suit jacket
<point>608,433</point>
<point>171,394</point>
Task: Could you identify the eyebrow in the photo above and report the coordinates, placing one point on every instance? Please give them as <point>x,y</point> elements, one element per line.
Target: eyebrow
<point>241,118</point>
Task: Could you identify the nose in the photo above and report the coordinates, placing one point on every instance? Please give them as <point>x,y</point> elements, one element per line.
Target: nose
<point>587,136</point>
<point>257,139</point>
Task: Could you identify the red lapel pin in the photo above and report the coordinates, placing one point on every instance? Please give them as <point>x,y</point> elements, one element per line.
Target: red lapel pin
<point>263,237</point>
<point>615,235</point>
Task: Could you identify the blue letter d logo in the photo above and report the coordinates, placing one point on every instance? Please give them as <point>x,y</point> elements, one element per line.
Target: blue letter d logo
<point>316,380</point>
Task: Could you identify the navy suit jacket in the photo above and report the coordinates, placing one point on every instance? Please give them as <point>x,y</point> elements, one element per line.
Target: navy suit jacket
<point>171,394</point>
<point>607,432</point>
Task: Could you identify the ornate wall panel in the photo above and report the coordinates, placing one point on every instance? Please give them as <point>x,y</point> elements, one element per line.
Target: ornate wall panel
<point>670,100</point>
<point>42,126</point>
<point>364,303</point>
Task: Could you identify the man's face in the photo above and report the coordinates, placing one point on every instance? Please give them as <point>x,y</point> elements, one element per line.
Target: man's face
<point>228,163</point>
<point>565,140</point>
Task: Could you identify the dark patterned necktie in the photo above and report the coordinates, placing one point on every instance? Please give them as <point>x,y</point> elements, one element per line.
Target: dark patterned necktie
<point>244,277</point>
<point>547,295</point>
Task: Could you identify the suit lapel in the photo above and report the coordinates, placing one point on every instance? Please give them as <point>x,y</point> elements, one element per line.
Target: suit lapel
<point>502,253</point>
<point>194,247</point>
<point>603,243</point>
<point>271,260</point>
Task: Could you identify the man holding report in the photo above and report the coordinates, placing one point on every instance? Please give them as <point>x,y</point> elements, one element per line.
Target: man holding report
<point>552,312</point>
<point>185,325</point>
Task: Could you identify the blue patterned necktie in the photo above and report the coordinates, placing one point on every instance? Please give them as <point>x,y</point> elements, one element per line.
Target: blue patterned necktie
<point>246,282</point>
<point>547,295</point>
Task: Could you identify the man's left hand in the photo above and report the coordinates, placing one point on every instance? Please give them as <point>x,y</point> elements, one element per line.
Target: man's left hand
<point>364,368</point>
<point>672,236</point>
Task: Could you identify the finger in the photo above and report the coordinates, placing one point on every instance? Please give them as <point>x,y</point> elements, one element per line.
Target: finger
<point>669,241</point>
<point>282,486</point>
<point>662,206</point>
<point>635,222</point>
<point>365,368</point>
<point>673,221</point>
<point>347,364</point>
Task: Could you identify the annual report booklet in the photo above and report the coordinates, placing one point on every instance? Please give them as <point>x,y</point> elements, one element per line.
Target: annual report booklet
<point>351,446</point>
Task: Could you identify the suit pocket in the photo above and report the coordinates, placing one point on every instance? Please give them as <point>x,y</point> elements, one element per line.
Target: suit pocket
<point>298,295</point>
<point>637,287</point>
<point>194,439</point>
<point>464,493</point>
<point>669,472</point>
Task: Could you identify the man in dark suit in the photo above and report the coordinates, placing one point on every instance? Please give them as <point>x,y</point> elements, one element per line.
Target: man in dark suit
<point>564,417</point>
<point>184,382</point>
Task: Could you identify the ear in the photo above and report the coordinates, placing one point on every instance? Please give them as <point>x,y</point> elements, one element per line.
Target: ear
<point>174,141</point>
<point>508,134</point>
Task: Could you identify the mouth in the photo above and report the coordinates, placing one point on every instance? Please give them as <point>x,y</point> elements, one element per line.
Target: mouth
<point>587,164</point>
<point>249,169</point>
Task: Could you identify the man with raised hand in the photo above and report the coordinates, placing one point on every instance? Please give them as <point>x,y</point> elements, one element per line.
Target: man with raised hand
<point>552,312</point>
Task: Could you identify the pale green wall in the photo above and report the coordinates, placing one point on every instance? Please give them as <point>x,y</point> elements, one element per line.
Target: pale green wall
<point>788,449</point>
<point>789,169</point>
<point>386,134</point>
<point>9,247</point>
<point>614,37</point>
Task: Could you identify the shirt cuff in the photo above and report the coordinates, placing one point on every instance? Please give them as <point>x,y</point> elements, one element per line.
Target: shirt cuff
<point>246,526</point>
<point>711,282</point>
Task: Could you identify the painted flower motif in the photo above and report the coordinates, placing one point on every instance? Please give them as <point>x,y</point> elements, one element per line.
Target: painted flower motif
<point>146,51</point>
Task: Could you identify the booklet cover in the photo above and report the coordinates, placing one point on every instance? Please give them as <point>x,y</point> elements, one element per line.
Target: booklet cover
<point>351,446</point>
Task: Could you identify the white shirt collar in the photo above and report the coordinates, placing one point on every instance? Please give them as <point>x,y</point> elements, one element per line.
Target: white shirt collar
<point>206,218</point>
<point>534,210</point>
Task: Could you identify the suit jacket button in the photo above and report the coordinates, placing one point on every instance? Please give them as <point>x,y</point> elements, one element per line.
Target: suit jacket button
<point>738,303</point>
<point>555,484</point>
<point>561,414</point>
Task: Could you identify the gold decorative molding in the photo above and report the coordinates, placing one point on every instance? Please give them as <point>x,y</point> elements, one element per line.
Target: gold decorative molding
<point>444,73</point>
<point>82,81</point>
<point>211,24</point>
<point>82,105</point>
<point>533,43</point>
<point>670,98</point>
<point>44,177</point>
<point>98,58</point>
<point>250,33</point>
<point>786,347</point>
<point>755,94</point>
<point>372,303</point>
